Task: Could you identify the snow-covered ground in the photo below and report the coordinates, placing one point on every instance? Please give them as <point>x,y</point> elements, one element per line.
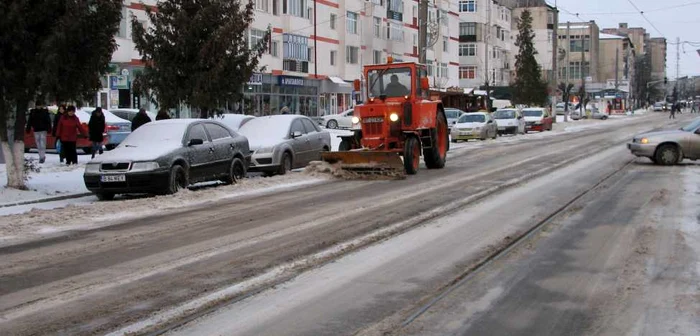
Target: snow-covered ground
<point>53,179</point>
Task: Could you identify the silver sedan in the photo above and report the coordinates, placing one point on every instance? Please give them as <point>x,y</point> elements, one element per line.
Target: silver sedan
<point>281,143</point>
<point>669,147</point>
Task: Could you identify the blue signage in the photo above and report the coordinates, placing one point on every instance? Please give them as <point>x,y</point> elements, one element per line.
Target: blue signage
<point>291,81</point>
<point>255,78</point>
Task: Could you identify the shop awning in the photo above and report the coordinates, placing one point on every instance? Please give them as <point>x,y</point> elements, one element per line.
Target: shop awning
<point>338,80</point>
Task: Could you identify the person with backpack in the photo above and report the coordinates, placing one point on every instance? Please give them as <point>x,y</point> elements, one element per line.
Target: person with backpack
<point>96,129</point>
<point>69,128</point>
<point>39,121</point>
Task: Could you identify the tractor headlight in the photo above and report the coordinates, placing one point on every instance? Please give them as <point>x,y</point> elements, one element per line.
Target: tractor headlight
<point>355,120</point>
<point>393,117</point>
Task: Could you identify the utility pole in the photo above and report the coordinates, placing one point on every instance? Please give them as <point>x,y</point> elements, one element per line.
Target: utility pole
<point>617,59</point>
<point>678,66</point>
<point>583,76</point>
<point>555,54</point>
<point>568,51</point>
<point>423,31</point>
<point>488,54</point>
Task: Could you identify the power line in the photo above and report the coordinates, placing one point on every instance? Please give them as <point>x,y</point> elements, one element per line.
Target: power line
<point>645,17</point>
<point>649,11</point>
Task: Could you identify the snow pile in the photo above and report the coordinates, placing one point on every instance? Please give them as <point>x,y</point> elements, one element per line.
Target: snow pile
<point>368,171</point>
<point>90,213</point>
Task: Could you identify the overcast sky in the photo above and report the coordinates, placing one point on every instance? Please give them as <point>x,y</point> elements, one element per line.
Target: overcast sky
<point>672,18</point>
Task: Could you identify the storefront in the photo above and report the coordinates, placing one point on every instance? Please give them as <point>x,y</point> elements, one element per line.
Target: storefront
<point>267,94</point>
<point>336,96</point>
<point>460,98</point>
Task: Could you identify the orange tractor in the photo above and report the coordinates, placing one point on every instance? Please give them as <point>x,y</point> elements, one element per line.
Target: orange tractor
<point>396,120</point>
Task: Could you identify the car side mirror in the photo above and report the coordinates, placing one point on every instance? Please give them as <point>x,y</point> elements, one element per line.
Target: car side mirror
<point>520,117</point>
<point>296,134</point>
<point>195,142</point>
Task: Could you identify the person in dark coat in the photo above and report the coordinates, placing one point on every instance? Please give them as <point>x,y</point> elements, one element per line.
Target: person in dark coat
<point>61,112</point>
<point>162,115</point>
<point>39,121</point>
<point>69,128</point>
<point>140,119</point>
<point>96,129</point>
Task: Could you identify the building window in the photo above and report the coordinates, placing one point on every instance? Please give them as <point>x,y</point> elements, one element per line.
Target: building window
<point>377,27</point>
<point>352,22</point>
<point>394,31</point>
<point>467,6</point>
<point>274,46</point>
<point>493,75</point>
<point>310,14</point>
<point>467,28</point>
<point>296,47</point>
<point>255,36</point>
<point>311,55</point>
<point>445,43</point>
<point>467,49</point>
<point>332,21</point>
<point>333,55</point>
<point>575,45</point>
<point>351,55</point>
<point>443,70</point>
<point>123,24</point>
<point>295,7</point>
<point>467,72</point>
<point>275,7</point>
<point>296,66</point>
<point>415,41</point>
<point>396,6</point>
<point>262,5</point>
<point>377,57</point>
<point>444,19</point>
<point>430,67</point>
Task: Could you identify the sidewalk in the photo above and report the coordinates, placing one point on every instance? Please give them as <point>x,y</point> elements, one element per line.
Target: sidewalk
<point>54,181</point>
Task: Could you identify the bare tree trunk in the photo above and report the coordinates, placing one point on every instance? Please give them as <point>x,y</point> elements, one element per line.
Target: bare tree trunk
<point>12,142</point>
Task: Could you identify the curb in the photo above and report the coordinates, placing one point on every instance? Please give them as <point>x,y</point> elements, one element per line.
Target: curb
<point>46,200</point>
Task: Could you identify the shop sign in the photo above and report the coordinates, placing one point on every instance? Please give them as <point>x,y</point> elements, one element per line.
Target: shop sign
<point>291,81</point>
<point>118,82</point>
<point>255,79</point>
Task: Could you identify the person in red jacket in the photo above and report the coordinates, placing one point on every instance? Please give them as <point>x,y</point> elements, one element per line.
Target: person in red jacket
<point>69,128</point>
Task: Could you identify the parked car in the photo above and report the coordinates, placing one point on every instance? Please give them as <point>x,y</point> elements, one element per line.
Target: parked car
<point>594,114</point>
<point>509,121</point>
<point>658,107</point>
<point>560,108</point>
<point>129,114</point>
<point>233,121</point>
<point>340,120</point>
<point>668,147</point>
<point>83,142</point>
<point>280,143</point>
<point>476,125</point>
<point>164,157</point>
<point>537,119</point>
<point>453,115</point>
<point>117,128</point>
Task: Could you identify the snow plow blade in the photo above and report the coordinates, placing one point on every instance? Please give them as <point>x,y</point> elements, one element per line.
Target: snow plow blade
<point>367,164</point>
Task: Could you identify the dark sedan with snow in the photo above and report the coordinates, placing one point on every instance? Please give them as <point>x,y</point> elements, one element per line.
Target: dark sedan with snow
<point>164,156</point>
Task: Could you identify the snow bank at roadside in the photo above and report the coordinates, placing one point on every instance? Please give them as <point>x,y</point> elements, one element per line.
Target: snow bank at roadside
<point>86,213</point>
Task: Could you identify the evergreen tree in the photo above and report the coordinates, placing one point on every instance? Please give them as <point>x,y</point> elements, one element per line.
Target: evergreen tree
<point>53,50</point>
<point>528,87</point>
<point>197,53</point>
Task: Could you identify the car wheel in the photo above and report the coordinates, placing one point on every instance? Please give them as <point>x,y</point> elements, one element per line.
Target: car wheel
<point>495,135</point>
<point>667,155</point>
<point>178,179</point>
<point>332,124</point>
<point>286,164</point>
<point>105,196</point>
<point>236,171</point>
<point>345,145</point>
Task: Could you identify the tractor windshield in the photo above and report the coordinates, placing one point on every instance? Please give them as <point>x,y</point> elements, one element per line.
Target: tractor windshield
<point>393,82</point>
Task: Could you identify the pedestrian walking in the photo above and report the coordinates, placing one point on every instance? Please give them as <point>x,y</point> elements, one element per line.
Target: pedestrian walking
<point>673,112</point>
<point>39,121</point>
<point>96,129</point>
<point>60,113</point>
<point>140,119</point>
<point>69,128</point>
<point>162,115</point>
<point>694,107</point>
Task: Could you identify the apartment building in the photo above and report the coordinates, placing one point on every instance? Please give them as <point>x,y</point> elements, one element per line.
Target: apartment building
<point>481,38</point>
<point>545,19</point>
<point>314,57</point>
<point>637,36</point>
<point>657,49</point>
<point>580,50</point>
<point>613,69</point>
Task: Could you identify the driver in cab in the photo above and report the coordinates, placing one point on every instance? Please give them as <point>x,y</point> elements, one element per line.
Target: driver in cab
<point>396,89</point>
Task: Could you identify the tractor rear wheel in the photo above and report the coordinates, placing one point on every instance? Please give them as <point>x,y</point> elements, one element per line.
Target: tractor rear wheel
<point>436,156</point>
<point>411,155</point>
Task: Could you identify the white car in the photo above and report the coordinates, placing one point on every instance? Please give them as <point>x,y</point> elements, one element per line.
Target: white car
<point>340,120</point>
<point>453,115</point>
<point>233,121</point>
<point>476,125</point>
<point>509,121</point>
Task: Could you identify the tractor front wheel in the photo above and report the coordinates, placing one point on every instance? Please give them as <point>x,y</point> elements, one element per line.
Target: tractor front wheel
<point>436,156</point>
<point>411,155</point>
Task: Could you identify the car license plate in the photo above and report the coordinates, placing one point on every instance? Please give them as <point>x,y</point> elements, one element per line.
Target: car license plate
<point>501,128</point>
<point>465,133</point>
<point>113,178</point>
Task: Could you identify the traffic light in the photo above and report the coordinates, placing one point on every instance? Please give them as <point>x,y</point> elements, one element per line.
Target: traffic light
<point>665,80</point>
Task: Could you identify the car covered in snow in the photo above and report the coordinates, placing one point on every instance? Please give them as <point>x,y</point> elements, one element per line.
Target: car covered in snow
<point>129,114</point>
<point>668,147</point>
<point>537,119</point>
<point>509,121</point>
<point>165,156</point>
<point>233,121</point>
<point>117,128</point>
<point>340,120</point>
<point>280,143</point>
<point>475,125</point>
<point>452,115</point>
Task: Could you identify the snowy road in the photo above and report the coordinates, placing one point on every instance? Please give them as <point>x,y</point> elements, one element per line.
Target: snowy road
<point>146,272</point>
